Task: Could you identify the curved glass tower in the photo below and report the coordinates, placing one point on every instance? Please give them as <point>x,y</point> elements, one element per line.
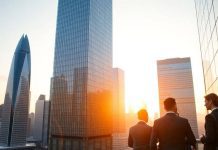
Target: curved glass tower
<point>16,103</point>
<point>81,87</point>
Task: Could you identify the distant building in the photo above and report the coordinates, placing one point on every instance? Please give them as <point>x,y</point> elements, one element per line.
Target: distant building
<point>119,123</point>
<point>41,120</point>
<point>119,136</point>
<point>31,119</point>
<point>16,103</point>
<point>1,109</point>
<point>175,80</point>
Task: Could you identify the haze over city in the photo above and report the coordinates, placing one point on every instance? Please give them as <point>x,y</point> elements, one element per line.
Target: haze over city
<point>143,32</point>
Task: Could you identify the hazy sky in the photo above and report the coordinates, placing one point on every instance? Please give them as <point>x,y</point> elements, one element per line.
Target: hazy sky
<point>143,31</point>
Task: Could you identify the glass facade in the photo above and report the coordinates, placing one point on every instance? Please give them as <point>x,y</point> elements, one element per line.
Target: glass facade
<point>16,103</point>
<point>175,80</point>
<point>81,95</point>
<point>207,16</point>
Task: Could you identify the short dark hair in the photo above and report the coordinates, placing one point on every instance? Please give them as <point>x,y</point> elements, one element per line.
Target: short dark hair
<point>213,97</point>
<point>169,103</point>
<point>143,115</point>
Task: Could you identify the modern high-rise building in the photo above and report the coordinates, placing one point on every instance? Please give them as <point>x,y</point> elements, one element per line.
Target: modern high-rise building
<point>119,122</point>
<point>41,120</point>
<point>16,103</point>
<point>119,125</point>
<point>175,80</point>
<point>81,86</point>
<point>207,23</point>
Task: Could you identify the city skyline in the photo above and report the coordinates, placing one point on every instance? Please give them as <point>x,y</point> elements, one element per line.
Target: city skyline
<point>151,30</point>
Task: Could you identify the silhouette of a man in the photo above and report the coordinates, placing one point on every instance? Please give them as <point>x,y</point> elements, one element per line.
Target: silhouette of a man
<point>171,131</point>
<point>139,134</point>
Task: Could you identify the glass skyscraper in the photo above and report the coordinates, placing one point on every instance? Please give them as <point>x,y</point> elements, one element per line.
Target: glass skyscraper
<point>16,103</point>
<point>81,94</point>
<point>207,21</point>
<point>175,80</point>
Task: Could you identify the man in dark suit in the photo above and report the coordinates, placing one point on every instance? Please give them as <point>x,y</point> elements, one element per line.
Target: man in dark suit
<point>210,139</point>
<point>171,131</point>
<point>139,134</point>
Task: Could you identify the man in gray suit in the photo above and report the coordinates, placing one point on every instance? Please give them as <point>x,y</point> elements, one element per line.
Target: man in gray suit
<point>171,131</point>
<point>139,134</point>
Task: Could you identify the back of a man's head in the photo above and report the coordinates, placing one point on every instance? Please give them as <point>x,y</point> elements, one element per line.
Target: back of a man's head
<point>143,115</point>
<point>169,104</point>
<point>212,97</point>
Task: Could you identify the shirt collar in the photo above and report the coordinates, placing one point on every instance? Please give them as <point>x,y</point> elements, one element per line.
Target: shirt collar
<point>214,108</point>
<point>170,112</point>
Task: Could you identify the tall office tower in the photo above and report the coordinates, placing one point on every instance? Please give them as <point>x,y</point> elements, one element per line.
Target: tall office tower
<point>207,23</point>
<point>41,120</point>
<point>119,123</point>
<point>81,86</point>
<point>175,80</point>
<point>16,104</point>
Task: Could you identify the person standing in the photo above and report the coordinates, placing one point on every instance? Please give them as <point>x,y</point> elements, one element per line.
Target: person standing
<point>210,139</point>
<point>139,134</point>
<point>171,131</point>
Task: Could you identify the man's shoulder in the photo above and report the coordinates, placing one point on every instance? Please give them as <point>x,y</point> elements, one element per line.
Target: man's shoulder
<point>139,125</point>
<point>182,119</point>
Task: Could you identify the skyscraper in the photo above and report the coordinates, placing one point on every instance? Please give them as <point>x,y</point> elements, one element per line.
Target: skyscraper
<point>16,103</point>
<point>175,80</point>
<point>41,120</point>
<point>207,23</point>
<point>119,122</point>
<point>81,95</point>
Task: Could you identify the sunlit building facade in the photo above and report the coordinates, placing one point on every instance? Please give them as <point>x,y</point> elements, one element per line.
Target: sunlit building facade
<point>119,122</point>
<point>16,103</point>
<point>175,80</point>
<point>81,86</point>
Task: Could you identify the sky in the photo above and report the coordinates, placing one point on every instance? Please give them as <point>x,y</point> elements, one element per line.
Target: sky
<point>144,31</point>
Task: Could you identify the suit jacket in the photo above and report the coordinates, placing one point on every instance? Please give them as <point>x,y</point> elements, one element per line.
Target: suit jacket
<point>139,136</point>
<point>172,132</point>
<point>211,131</point>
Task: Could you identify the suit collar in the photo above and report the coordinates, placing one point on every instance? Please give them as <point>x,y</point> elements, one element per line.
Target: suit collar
<point>214,109</point>
<point>170,114</point>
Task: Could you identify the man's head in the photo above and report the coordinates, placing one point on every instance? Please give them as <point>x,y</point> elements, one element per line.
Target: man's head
<point>143,115</point>
<point>211,101</point>
<point>170,104</point>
